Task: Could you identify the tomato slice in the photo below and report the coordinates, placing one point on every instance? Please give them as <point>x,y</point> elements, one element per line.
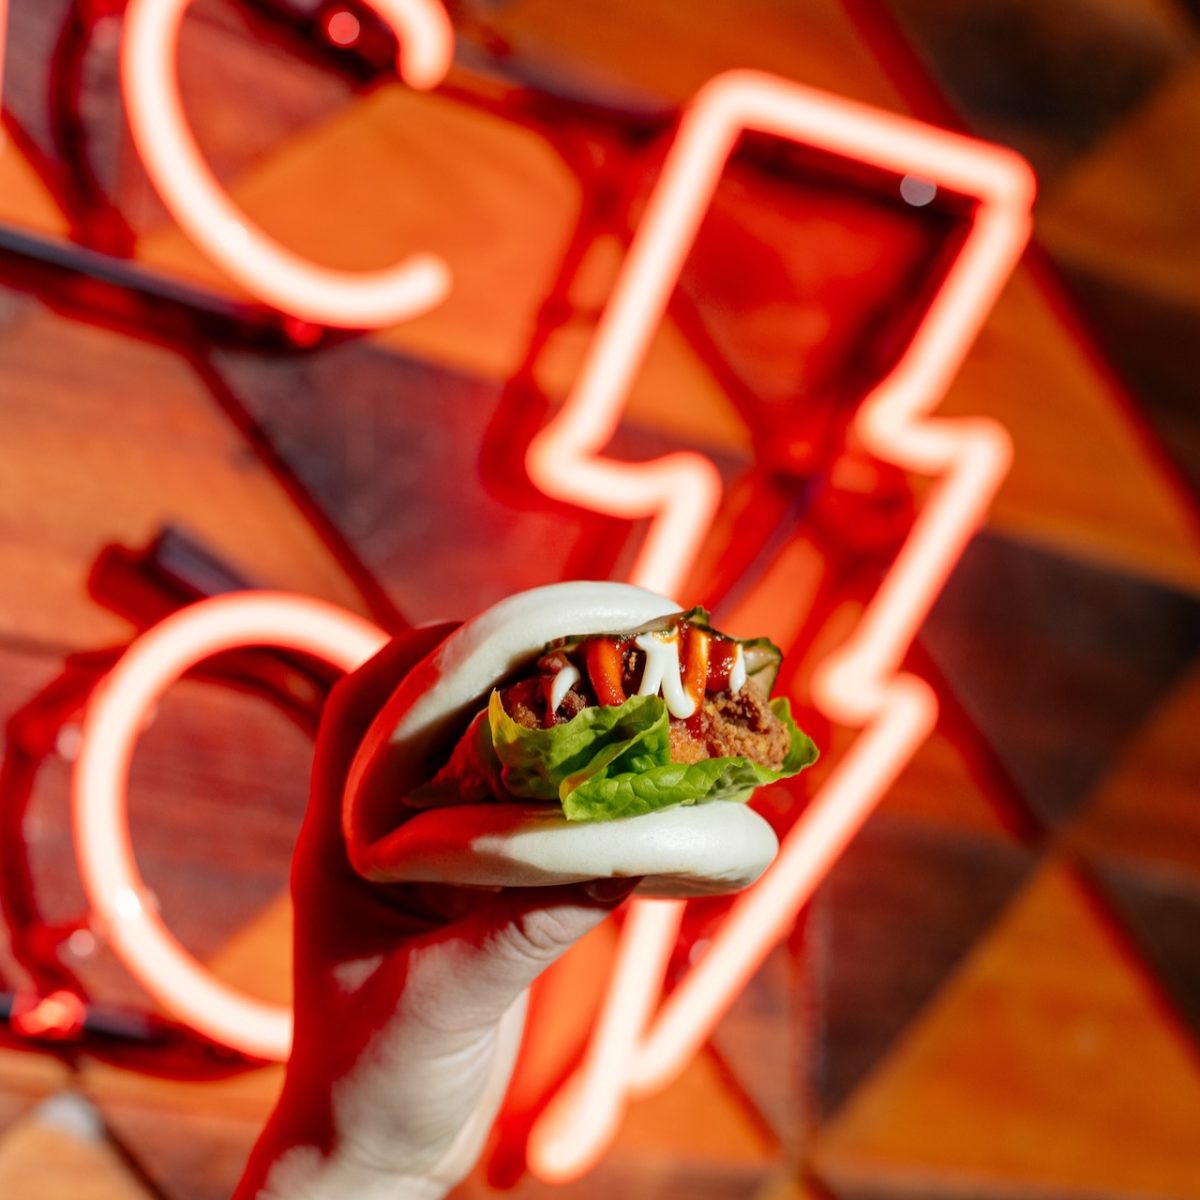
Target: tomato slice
<point>604,667</point>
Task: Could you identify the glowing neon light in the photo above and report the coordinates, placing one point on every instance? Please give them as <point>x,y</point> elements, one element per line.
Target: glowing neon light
<point>291,283</point>
<point>118,898</point>
<point>858,685</point>
<point>61,1014</point>
<point>3,40</point>
<point>342,27</point>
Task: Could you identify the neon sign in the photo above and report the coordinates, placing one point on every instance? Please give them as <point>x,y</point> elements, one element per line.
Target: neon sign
<point>276,275</point>
<point>638,1045</point>
<point>113,719</point>
<point>633,1049</point>
<point>3,38</point>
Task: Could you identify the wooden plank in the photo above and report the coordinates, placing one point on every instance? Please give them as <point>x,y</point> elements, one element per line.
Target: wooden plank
<point>258,958</point>
<point>1057,662</point>
<point>1083,477</point>
<point>667,51</point>
<point>25,201</point>
<point>191,1139</point>
<point>1047,1065</point>
<point>1146,809</point>
<point>790,1185</point>
<point>157,450</point>
<point>60,1152</point>
<point>901,908</point>
<point>27,1077</point>
<point>246,1097</point>
<point>939,788</point>
<point>1128,209</point>
<point>1070,73</point>
<point>698,1118</point>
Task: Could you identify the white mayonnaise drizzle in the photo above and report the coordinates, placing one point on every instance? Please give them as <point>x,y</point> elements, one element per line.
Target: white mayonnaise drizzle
<point>737,673</point>
<point>563,682</point>
<point>662,672</point>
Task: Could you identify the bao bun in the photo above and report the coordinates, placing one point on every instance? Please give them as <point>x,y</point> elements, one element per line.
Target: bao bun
<point>715,847</point>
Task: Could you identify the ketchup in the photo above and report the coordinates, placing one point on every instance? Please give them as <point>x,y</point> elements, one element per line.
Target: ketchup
<point>693,664</point>
<point>722,653</point>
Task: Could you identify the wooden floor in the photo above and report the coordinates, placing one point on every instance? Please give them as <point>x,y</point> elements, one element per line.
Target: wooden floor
<point>996,992</point>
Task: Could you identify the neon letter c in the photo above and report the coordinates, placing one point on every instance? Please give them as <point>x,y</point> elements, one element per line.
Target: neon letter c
<point>276,275</point>
<point>114,716</point>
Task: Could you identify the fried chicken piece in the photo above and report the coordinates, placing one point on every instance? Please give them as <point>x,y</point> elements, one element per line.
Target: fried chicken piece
<point>741,725</point>
<point>684,747</point>
<point>525,702</point>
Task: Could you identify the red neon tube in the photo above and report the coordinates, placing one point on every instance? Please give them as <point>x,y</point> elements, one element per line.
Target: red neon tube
<point>120,904</point>
<point>194,197</point>
<point>634,1050</point>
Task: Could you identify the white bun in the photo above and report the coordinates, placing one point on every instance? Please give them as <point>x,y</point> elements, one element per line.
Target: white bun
<point>693,850</point>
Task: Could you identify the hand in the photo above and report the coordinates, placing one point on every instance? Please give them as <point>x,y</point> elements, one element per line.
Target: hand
<point>409,998</point>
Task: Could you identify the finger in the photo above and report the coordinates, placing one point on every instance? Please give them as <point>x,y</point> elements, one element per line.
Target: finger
<point>463,978</point>
<point>357,698</point>
<point>350,709</point>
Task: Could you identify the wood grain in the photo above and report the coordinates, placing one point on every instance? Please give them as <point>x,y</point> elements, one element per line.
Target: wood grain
<point>108,439</point>
<point>49,1162</point>
<point>1019,1075</point>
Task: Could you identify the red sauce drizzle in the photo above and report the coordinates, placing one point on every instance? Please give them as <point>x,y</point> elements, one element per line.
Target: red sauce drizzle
<point>722,654</point>
<point>705,662</point>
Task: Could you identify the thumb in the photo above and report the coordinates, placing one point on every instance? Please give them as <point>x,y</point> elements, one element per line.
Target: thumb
<point>468,975</point>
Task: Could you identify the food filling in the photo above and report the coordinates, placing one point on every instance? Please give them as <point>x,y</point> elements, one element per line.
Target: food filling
<point>717,707</point>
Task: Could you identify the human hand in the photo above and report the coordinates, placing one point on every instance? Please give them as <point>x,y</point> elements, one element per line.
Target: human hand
<point>409,997</point>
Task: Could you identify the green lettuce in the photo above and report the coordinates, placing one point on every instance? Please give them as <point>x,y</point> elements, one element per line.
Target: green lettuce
<point>604,763</point>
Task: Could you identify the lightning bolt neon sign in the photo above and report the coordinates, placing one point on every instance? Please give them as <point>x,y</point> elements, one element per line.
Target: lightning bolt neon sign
<point>634,1049</point>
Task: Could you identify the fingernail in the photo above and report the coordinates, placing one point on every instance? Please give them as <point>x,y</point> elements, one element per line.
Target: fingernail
<point>610,891</point>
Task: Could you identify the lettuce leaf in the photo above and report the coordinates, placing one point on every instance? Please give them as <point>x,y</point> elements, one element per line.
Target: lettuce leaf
<point>548,764</point>
<point>611,762</point>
